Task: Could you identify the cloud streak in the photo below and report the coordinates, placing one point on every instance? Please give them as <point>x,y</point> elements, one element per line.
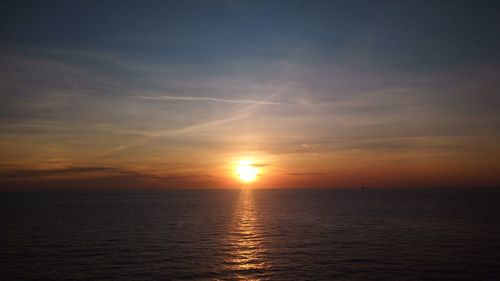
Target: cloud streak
<point>307,174</point>
<point>201,98</point>
<point>92,171</point>
<point>41,173</point>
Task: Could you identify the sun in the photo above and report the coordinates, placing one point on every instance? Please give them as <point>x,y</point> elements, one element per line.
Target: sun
<point>246,171</point>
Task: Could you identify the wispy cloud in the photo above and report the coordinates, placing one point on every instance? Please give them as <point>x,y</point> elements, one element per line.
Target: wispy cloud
<point>70,171</point>
<point>92,172</point>
<point>106,177</point>
<point>247,110</point>
<point>171,133</point>
<point>211,99</point>
<point>306,174</point>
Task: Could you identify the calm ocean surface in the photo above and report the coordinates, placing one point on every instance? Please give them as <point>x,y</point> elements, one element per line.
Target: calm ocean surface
<point>431,234</point>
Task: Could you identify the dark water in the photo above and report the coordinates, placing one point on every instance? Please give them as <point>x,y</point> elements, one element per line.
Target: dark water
<point>251,235</point>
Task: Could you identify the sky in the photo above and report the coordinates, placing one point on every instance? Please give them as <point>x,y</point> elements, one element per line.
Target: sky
<point>172,94</point>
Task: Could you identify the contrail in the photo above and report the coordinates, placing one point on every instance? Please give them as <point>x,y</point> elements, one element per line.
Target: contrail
<point>167,98</point>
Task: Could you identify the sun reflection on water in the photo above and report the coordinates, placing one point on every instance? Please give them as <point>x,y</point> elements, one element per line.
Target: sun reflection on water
<point>246,259</point>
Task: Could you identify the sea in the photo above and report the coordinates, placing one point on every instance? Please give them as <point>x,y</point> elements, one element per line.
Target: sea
<point>247,234</point>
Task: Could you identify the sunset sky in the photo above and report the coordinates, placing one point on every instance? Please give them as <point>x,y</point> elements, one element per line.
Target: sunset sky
<point>174,94</point>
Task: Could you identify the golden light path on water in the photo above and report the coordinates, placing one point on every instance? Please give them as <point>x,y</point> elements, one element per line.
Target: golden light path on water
<point>246,257</point>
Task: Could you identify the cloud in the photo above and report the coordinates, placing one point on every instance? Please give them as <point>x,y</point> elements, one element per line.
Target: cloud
<point>187,176</point>
<point>306,174</point>
<point>259,165</point>
<point>99,177</point>
<point>71,171</point>
<point>178,98</point>
<point>90,171</point>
